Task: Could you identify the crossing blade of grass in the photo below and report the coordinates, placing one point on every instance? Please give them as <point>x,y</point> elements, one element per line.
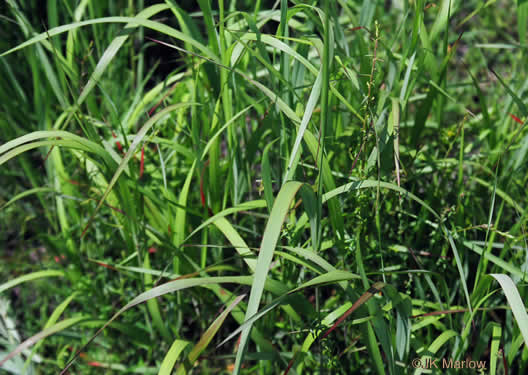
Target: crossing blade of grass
<point>43,334</point>
<point>425,107</point>
<point>267,247</point>
<point>130,118</point>
<point>434,347</point>
<point>170,287</point>
<point>360,184</point>
<point>514,349</point>
<point>114,47</point>
<point>515,302</point>
<point>30,277</point>
<point>246,206</point>
<point>501,193</point>
<point>474,12</point>
<point>520,104</point>
<point>311,337</point>
<point>298,260</point>
<point>152,304</point>
<point>313,257</point>
<point>277,44</point>
<point>405,90</point>
<point>366,184</point>
<point>172,356</point>
<point>266,177</point>
<point>441,19</point>
<point>137,140</point>
<point>237,241</point>
<point>38,190</point>
<point>208,336</point>
<point>466,331</point>
<point>375,288</point>
<point>156,26</point>
<point>308,111</point>
<point>30,146</point>
<point>49,323</point>
<point>42,134</point>
<point>496,334</point>
<point>181,216</point>
<point>326,278</point>
<point>231,121</point>
<point>18,146</point>
<point>496,260</point>
<point>230,232</point>
<point>522,20</point>
<point>71,38</point>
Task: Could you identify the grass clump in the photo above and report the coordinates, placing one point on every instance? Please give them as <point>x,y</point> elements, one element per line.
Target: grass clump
<point>271,187</point>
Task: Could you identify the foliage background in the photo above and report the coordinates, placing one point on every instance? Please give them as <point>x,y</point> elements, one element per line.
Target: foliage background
<point>141,156</point>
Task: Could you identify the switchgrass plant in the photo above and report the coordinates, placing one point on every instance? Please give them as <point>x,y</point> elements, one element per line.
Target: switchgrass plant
<point>264,187</point>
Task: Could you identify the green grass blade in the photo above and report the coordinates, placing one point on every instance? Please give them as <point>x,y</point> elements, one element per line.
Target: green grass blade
<point>310,106</point>
<point>133,147</point>
<point>520,104</point>
<point>164,29</point>
<point>246,206</point>
<point>515,302</point>
<point>237,241</point>
<point>26,193</point>
<point>495,346</point>
<point>267,247</point>
<point>41,335</point>
<point>209,334</point>
<point>160,290</point>
<point>113,48</point>
<point>266,177</point>
<point>50,322</point>
<point>375,288</point>
<point>434,347</point>
<point>152,304</point>
<point>326,278</point>
<point>522,20</point>
<point>172,356</point>
<point>30,277</point>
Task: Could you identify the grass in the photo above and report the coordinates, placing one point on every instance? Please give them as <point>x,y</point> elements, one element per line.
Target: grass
<point>263,187</point>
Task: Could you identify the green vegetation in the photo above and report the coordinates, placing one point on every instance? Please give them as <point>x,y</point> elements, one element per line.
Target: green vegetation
<point>263,187</point>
